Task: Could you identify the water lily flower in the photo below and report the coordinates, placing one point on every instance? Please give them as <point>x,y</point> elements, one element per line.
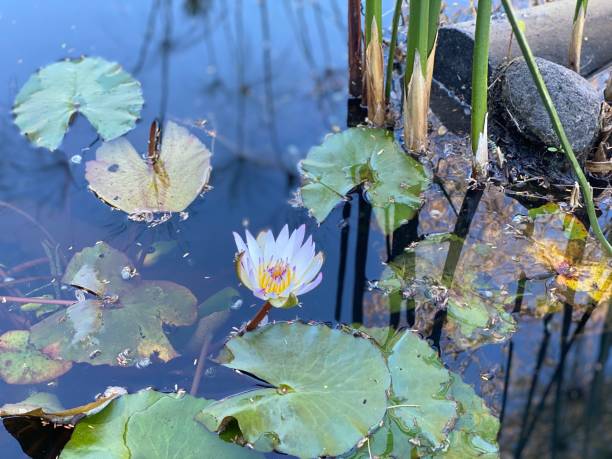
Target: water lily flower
<point>278,271</point>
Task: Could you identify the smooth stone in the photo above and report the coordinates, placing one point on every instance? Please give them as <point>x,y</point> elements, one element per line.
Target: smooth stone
<point>576,101</point>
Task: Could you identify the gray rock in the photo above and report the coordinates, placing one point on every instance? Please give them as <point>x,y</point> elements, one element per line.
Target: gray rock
<point>576,101</point>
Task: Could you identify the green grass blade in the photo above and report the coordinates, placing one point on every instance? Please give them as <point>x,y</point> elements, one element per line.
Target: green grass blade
<point>480,69</point>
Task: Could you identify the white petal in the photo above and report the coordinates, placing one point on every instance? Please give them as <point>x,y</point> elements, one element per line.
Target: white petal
<point>308,287</point>
<point>312,269</point>
<point>240,245</point>
<point>254,250</point>
<point>302,258</point>
<point>283,237</point>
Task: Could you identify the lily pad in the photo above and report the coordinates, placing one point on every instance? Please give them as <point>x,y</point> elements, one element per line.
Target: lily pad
<point>432,413</point>
<point>124,326</point>
<point>475,433</point>
<point>476,315</point>
<point>102,91</point>
<point>392,180</point>
<point>421,400</point>
<point>167,182</point>
<point>328,389</point>
<point>388,442</point>
<point>22,363</point>
<point>149,425</point>
<point>47,407</point>
<point>560,245</point>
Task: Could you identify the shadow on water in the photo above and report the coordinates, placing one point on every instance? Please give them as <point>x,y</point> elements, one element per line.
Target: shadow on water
<point>263,84</point>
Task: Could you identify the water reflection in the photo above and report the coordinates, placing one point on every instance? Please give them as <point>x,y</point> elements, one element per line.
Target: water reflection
<point>270,81</point>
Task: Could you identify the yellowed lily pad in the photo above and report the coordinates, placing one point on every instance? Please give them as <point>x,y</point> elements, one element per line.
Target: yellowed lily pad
<point>169,181</point>
<point>22,363</point>
<point>47,407</point>
<point>124,325</point>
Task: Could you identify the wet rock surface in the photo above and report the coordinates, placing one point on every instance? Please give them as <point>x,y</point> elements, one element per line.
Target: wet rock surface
<point>517,102</point>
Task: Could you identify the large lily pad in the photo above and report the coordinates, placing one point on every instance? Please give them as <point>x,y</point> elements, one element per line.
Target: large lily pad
<point>124,325</point>
<point>22,363</point>
<point>432,413</point>
<point>329,389</point>
<point>167,183</point>
<point>102,91</point>
<point>149,425</point>
<point>392,180</point>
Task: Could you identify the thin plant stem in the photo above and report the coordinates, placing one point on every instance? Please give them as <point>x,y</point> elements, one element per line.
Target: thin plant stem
<point>585,187</point>
<point>25,299</point>
<point>480,71</point>
<point>354,47</point>
<point>261,314</point>
<point>392,45</point>
<point>27,265</point>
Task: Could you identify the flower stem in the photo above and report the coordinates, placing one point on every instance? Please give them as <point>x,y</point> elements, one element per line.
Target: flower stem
<point>19,299</point>
<point>263,312</point>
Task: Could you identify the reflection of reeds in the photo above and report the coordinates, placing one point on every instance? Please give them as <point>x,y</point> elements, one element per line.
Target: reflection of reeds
<point>575,47</point>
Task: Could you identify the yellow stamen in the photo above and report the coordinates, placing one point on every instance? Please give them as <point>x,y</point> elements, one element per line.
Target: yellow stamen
<point>275,277</point>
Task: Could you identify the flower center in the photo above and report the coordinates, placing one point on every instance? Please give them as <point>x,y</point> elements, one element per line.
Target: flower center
<point>275,277</point>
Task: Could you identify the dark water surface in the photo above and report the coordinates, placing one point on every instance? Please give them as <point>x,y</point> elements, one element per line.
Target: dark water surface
<point>270,79</point>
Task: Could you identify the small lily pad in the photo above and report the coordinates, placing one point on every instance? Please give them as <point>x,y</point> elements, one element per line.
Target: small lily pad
<point>47,407</point>
<point>328,389</point>
<point>166,183</point>
<point>102,91</point>
<point>392,180</point>
<point>22,363</point>
<point>124,325</point>
<point>149,425</point>
<point>476,316</point>
<point>561,246</point>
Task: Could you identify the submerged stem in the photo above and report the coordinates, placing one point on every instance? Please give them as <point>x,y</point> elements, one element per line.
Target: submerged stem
<point>585,187</point>
<point>263,312</point>
<point>24,299</point>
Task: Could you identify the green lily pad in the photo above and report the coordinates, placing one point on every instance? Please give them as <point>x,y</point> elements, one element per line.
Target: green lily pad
<point>392,180</point>
<point>432,413</point>
<point>421,401</point>
<point>329,389</point>
<point>475,433</point>
<point>22,363</point>
<point>124,326</point>
<point>149,425</point>
<point>122,179</point>
<point>476,316</point>
<point>388,442</point>
<point>102,91</point>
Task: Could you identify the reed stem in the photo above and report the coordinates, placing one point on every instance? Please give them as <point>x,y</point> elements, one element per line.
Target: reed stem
<point>585,187</point>
<point>397,12</point>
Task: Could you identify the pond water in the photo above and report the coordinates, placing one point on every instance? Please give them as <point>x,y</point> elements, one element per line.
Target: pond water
<point>270,80</point>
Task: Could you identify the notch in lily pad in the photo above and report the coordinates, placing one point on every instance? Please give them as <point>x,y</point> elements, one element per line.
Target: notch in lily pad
<point>175,172</point>
<point>123,325</point>
<point>367,157</point>
<point>108,96</point>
